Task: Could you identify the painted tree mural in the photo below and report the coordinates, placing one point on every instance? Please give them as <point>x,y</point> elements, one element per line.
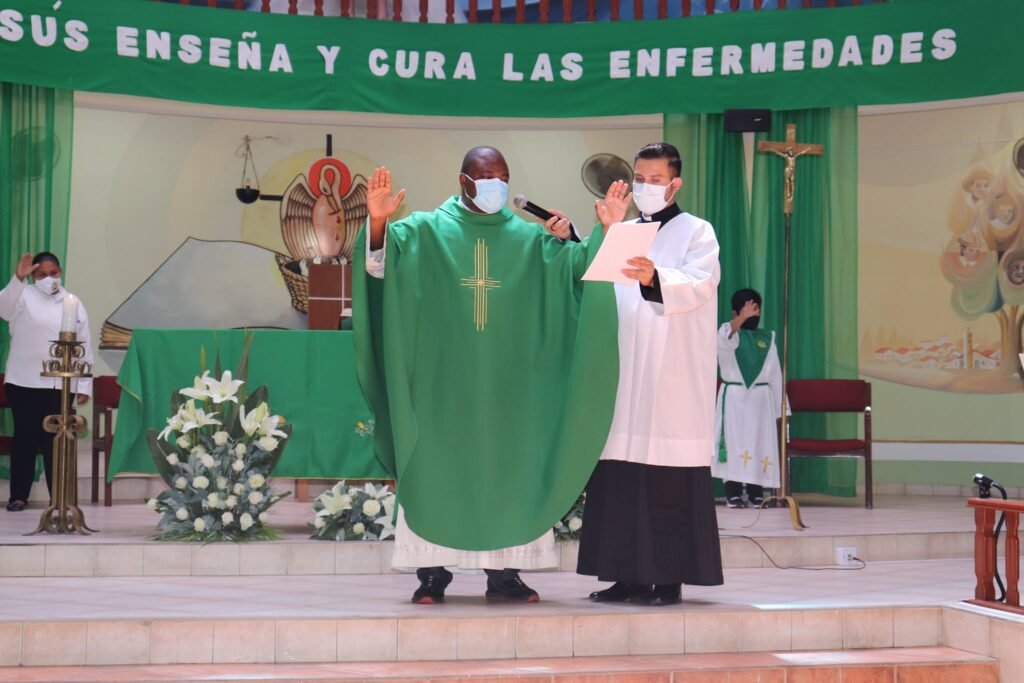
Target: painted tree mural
<point>984,259</point>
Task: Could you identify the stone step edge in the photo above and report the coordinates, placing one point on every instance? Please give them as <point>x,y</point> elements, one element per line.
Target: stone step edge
<point>765,666</point>
<point>178,640</point>
<point>303,557</point>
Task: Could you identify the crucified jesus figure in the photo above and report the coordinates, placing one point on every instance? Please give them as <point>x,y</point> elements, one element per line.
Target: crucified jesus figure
<point>789,150</point>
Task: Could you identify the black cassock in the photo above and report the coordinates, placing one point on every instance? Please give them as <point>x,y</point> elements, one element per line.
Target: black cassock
<point>648,524</point>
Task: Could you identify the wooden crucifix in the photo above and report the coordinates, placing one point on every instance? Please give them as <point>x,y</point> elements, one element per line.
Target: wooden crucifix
<point>789,150</point>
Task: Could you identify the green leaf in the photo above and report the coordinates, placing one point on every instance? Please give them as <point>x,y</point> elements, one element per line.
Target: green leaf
<point>242,372</point>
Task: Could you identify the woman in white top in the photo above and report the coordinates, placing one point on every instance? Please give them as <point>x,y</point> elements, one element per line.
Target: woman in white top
<point>34,314</point>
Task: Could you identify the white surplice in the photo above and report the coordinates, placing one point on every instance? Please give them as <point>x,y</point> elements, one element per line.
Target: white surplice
<point>664,411</point>
<point>751,435</point>
<point>412,551</point>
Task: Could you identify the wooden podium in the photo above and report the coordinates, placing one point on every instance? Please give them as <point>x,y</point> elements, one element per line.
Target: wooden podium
<point>330,301</point>
<point>330,295</point>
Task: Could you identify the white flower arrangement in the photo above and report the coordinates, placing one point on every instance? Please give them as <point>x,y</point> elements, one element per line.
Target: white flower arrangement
<point>351,513</point>
<point>568,528</point>
<point>216,455</point>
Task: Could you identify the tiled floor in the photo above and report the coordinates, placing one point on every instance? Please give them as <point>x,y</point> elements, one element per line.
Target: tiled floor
<point>930,582</point>
<point>133,523</point>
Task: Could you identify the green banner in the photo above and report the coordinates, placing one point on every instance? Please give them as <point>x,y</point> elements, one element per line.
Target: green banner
<point>897,51</point>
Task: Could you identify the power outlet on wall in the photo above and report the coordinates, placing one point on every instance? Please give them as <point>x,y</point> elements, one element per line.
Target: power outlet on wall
<point>845,556</point>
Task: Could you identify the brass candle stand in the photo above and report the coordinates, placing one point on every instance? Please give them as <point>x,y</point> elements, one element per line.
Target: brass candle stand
<point>63,516</point>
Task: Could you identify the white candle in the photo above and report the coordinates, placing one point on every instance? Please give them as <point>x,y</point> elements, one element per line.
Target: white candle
<point>69,316</point>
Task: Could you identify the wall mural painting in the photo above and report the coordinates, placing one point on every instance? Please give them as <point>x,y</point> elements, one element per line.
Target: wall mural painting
<point>320,213</point>
<point>983,263</point>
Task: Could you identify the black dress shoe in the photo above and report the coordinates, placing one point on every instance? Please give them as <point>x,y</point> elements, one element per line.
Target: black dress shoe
<point>510,588</point>
<point>432,585</point>
<point>659,596</point>
<point>16,506</point>
<point>620,591</point>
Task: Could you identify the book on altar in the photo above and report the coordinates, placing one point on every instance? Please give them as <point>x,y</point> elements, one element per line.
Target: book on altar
<point>622,242</point>
<point>207,284</point>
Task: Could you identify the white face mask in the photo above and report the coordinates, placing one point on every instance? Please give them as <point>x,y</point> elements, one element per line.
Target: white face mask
<point>491,194</point>
<point>650,199</point>
<point>48,285</point>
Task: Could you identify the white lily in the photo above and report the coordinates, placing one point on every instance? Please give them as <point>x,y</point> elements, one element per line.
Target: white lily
<point>386,527</point>
<point>377,492</point>
<point>268,427</point>
<point>335,504</point>
<point>198,389</point>
<point>193,417</point>
<point>173,425</point>
<point>223,390</point>
<point>252,420</point>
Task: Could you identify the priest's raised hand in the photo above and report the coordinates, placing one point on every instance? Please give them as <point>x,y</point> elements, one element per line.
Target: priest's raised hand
<point>381,204</point>
<point>612,209</point>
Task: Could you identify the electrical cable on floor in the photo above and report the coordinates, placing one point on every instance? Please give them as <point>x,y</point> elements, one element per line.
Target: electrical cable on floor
<point>863,564</point>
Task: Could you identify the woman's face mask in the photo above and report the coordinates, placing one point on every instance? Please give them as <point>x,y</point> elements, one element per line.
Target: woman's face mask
<point>48,285</point>
<point>491,194</point>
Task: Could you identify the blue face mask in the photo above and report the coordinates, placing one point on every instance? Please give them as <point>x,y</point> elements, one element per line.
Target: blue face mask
<point>491,194</point>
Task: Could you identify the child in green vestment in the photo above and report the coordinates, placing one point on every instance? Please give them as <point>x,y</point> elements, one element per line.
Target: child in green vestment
<point>749,403</point>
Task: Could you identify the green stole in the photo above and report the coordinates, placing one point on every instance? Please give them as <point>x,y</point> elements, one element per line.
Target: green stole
<point>750,356</point>
<point>491,370</point>
<point>751,353</point>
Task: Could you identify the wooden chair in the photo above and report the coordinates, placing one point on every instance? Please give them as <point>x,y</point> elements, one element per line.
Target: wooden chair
<point>833,396</point>
<point>106,394</point>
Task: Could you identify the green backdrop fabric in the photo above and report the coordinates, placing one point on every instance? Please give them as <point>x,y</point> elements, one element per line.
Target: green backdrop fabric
<point>35,188</point>
<point>310,376</point>
<point>876,53</point>
<point>823,277</point>
<point>823,273</point>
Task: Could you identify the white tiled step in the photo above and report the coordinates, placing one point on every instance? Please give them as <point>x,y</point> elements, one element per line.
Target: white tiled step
<point>905,665</point>
<point>337,618</point>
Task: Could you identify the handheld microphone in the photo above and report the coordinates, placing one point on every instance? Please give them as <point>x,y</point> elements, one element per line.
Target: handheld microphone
<point>521,202</point>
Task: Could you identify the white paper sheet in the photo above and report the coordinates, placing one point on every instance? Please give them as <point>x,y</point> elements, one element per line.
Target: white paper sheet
<point>623,242</point>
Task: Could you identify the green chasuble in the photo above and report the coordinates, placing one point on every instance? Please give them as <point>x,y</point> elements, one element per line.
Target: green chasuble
<point>491,370</point>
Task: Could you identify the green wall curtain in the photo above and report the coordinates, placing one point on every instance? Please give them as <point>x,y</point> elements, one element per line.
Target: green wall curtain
<point>823,272</point>
<point>35,183</point>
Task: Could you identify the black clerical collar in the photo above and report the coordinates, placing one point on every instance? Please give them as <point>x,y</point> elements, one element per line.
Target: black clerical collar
<point>663,216</point>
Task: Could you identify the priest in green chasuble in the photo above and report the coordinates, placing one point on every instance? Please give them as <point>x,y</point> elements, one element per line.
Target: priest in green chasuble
<point>749,403</point>
<point>491,369</point>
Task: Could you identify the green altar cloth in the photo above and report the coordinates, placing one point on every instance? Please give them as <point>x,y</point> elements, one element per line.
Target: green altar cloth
<point>310,376</point>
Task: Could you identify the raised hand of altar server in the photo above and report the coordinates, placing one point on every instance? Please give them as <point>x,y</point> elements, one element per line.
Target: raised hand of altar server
<point>559,225</point>
<point>642,270</point>
<point>380,204</point>
<point>25,266</point>
<point>749,310</point>
<point>612,209</point>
